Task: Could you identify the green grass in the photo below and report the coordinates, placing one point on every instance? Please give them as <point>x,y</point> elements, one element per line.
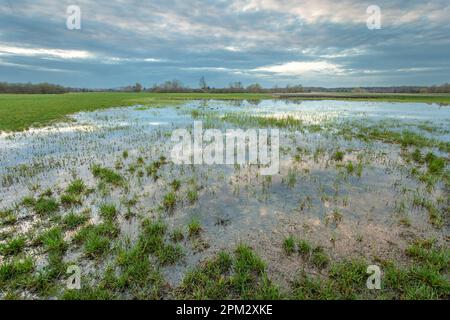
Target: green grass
<point>152,241</point>
<point>107,175</point>
<point>13,246</point>
<point>194,227</point>
<point>177,235</point>
<point>404,138</point>
<point>97,238</point>
<point>192,195</point>
<point>168,254</point>
<point>108,211</point>
<point>338,156</point>
<point>169,200</point>
<point>53,240</point>
<point>435,215</point>
<point>247,120</point>
<point>426,277</point>
<point>72,221</point>
<point>289,245</point>
<point>96,245</point>
<point>21,111</point>
<point>7,217</point>
<point>152,169</point>
<point>15,270</point>
<point>76,187</point>
<point>175,184</point>
<point>69,200</point>
<point>241,276</point>
<point>435,164</point>
<point>304,247</point>
<point>46,206</point>
<point>425,251</point>
<point>136,274</point>
<point>87,293</point>
<point>28,201</point>
<point>319,258</point>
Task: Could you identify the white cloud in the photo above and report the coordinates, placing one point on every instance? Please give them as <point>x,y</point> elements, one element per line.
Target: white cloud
<point>117,60</point>
<point>44,52</point>
<point>295,68</point>
<point>31,67</point>
<point>332,53</point>
<point>8,50</point>
<point>348,11</point>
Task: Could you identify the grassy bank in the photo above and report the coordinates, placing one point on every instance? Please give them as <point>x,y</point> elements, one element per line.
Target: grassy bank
<point>21,111</point>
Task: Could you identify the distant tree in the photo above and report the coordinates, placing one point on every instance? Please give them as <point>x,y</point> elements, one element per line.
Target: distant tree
<point>202,84</point>
<point>255,88</point>
<point>170,86</point>
<point>30,88</point>
<point>359,90</point>
<point>236,87</point>
<point>292,89</point>
<point>137,87</point>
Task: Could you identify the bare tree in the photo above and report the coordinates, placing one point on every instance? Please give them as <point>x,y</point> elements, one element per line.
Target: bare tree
<point>137,87</point>
<point>202,84</point>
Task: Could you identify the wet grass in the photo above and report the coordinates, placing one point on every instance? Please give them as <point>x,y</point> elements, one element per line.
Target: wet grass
<point>15,273</point>
<point>72,221</point>
<point>425,278</point>
<point>152,241</point>
<point>46,206</point>
<point>13,247</point>
<point>338,155</point>
<point>108,211</point>
<point>53,240</point>
<point>96,239</point>
<point>194,227</point>
<point>289,245</point>
<point>133,269</point>
<point>192,195</point>
<point>177,235</point>
<point>136,274</point>
<point>21,111</point>
<point>319,258</point>
<point>379,132</point>
<point>69,200</point>
<point>246,120</point>
<point>169,201</point>
<point>107,175</point>
<point>76,187</point>
<point>7,217</point>
<point>304,247</point>
<point>241,276</point>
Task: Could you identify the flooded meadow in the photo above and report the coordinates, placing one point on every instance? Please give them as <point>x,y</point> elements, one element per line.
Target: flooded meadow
<point>360,183</point>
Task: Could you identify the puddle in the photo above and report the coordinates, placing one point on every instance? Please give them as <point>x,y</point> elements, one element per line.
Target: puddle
<point>312,197</point>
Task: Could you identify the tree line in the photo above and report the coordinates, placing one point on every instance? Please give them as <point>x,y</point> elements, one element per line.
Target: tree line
<point>176,86</point>
<point>30,88</point>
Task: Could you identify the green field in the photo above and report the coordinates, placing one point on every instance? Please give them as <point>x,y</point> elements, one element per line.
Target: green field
<point>20,111</point>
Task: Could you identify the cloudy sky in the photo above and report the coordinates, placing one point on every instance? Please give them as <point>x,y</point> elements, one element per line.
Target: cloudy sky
<point>272,42</point>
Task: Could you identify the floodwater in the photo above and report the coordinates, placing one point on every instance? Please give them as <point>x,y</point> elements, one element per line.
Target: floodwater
<point>312,197</point>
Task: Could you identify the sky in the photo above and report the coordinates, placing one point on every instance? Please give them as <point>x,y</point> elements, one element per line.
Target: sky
<point>272,42</point>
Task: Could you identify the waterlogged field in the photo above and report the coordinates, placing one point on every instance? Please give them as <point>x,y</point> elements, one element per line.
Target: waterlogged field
<point>360,183</point>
